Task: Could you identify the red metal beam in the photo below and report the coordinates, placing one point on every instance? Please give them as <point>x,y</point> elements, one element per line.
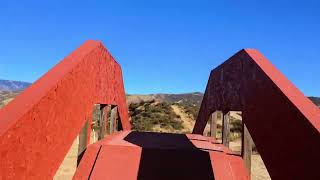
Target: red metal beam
<point>283,123</point>
<point>39,126</point>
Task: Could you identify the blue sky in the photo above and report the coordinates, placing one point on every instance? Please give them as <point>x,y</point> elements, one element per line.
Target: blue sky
<point>163,46</point>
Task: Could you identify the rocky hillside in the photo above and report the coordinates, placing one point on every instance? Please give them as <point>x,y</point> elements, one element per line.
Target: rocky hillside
<point>11,86</point>
<point>154,116</point>
<point>10,89</point>
<point>183,108</point>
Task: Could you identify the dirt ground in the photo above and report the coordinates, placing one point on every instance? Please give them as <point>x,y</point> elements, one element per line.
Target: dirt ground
<point>258,169</point>
<point>69,164</point>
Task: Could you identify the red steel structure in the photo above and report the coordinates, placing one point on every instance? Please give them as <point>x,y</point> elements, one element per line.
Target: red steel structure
<point>283,123</point>
<point>39,126</point>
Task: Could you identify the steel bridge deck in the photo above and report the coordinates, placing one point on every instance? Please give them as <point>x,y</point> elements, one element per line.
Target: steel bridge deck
<point>146,155</point>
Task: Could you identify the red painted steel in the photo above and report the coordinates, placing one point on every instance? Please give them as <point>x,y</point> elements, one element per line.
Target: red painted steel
<point>283,123</point>
<point>39,126</point>
<point>138,155</point>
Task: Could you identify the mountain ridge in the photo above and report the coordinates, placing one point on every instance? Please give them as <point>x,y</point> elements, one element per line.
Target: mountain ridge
<point>11,86</point>
<point>189,98</point>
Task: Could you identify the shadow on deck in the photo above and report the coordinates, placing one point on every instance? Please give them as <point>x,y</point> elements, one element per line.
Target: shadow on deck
<point>170,156</point>
<point>147,155</point>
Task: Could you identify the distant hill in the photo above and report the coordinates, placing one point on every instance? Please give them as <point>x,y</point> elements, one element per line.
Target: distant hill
<point>11,86</point>
<point>188,103</point>
<point>10,89</point>
<point>189,98</point>
<point>315,100</point>
<point>185,98</point>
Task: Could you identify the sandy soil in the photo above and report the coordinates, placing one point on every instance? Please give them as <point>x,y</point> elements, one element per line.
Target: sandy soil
<point>258,169</point>
<point>69,164</point>
<point>235,145</point>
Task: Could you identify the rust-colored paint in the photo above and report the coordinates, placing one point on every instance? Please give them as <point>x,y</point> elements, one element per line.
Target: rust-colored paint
<point>228,167</point>
<point>39,126</point>
<point>283,123</point>
<point>140,155</point>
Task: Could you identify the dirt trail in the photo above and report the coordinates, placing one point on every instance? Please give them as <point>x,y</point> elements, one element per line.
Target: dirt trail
<point>187,122</point>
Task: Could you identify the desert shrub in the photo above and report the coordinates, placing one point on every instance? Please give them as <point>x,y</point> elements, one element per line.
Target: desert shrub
<point>236,126</point>
<point>146,115</point>
<point>191,109</point>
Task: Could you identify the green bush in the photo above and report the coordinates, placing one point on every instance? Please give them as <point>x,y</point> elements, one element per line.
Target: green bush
<point>191,109</point>
<point>146,115</point>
